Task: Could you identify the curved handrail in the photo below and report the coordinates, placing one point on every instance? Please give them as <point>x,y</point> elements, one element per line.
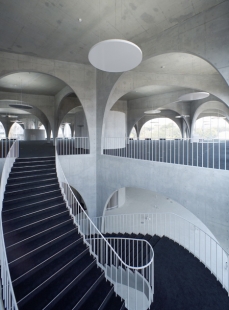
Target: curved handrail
<point>87,228</point>
<point>132,214</point>
<point>8,292</point>
<point>130,239</point>
<point>201,244</point>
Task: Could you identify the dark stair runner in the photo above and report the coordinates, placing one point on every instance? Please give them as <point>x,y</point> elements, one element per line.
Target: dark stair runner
<point>181,281</point>
<point>50,266</point>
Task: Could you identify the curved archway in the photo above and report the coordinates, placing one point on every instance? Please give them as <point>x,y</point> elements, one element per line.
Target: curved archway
<point>133,133</point>
<point>142,76</point>
<point>160,128</point>
<point>211,127</point>
<point>138,200</point>
<point>16,131</point>
<point>2,131</point>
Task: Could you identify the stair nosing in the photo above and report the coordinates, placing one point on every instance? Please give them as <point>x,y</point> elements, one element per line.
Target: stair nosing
<point>12,173</point>
<point>93,262</point>
<point>49,258</point>
<point>26,197</point>
<point>87,292</point>
<point>26,239</point>
<point>16,178</point>
<point>27,214</point>
<point>29,189</point>
<point>31,204</point>
<point>47,280</point>
<point>28,253</point>
<point>31,224</point>
<point>31,182</point>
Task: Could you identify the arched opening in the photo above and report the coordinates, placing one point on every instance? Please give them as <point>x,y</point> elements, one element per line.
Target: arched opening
<point>160,128</point>
<point>2,131</point>
<point>146,202</point>
<point>211,127</point>
<point>79,198</point>
<point>133,134</point>
<point>64,131</point>
<point>16,132</point>
<point>42,127</point>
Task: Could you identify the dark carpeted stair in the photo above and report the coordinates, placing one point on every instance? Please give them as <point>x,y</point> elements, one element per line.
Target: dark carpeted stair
<point>50,266</point>
<point>181,281</point>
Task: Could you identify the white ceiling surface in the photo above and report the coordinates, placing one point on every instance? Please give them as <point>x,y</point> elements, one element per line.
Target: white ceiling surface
<point>31,83</point>
<point>149,91</point>
<point>50,28</point>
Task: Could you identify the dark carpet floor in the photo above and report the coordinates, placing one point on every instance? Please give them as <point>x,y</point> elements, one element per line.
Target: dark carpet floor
<point>38,148</point>
<point>183,283</point>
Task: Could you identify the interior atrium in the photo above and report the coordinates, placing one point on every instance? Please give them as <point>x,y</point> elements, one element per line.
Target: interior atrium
<point>142,150</point>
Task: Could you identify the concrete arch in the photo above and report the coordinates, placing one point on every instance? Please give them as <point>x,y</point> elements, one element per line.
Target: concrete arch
<point>128,81</point>
<point>79,77</point>
<point>145,119</point>
<point>34,111</point>
<point>152,202</point>
<point>209,105</point>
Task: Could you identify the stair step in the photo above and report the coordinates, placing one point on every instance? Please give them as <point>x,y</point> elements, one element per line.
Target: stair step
<point>33,163</point>
<point>100,297</point>
<point>48,273</point>
<point>115,303</point>
<point>18,202</point>
<point>60,287</point>
<point>84,289</point>
<point>27,192</point>
<point>32,229</point>
<point>27,168</point>
<point>33,178</point>
<point>20,213</point>
<point>32,159</point>
<point>31,172</point>
<point>18,223</point>
<point>30,184</point>
<point>28,262</point>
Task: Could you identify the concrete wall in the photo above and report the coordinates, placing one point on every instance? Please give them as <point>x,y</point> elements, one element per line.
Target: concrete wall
<point>34,134</point>
<point>204,191</point>
<point>80,171</point>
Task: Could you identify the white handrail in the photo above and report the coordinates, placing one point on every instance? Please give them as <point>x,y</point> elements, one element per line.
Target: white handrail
<point>72,146</point>
<point>177,228</point>
<point>8,292</point>
<point>199,153</point>
<point>134,284</point>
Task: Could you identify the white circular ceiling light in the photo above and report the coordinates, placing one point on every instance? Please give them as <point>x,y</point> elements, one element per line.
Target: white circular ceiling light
<point>115,55</point>
<point>194,96</point>
<point>182,116</point>
<point>152,112</point>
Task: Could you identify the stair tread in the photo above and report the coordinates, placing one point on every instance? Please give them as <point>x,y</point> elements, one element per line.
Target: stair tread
<point>54,266</point>
<point>19,268</point>
<point>46,295</point>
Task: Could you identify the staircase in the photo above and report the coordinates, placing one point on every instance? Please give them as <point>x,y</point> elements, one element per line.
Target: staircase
<point>50,266</point>
<point>181,281</point>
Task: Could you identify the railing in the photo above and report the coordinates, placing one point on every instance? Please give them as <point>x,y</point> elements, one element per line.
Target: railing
<point>200,153</point>
<point>72,146</point>
<point>135,284</point>
<point>8,292</point>
<point>5,145</point>
<point>173,226</point>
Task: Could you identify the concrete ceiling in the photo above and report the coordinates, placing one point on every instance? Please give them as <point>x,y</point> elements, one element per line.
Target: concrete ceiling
<point>149,91</point>
<point>177,63</point>
<point>12,111</point>
<point>31,83</point>
<point>51,29</point>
